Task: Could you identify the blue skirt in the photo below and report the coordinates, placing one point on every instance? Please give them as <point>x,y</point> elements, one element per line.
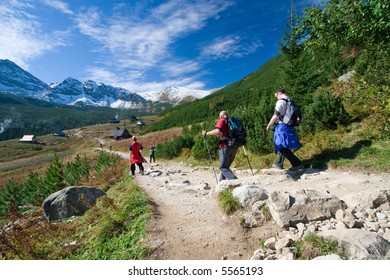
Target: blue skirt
<point>285,137</point>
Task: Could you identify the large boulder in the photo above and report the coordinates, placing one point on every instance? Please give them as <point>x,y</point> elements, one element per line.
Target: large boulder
<point>359,244</point>
<point>247,195</point>
<point>289,209</point>
<point>372,198</point>
<point>70,201</point>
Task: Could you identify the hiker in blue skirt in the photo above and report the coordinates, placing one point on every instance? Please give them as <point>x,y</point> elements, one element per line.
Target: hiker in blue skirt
<point>285,138</point>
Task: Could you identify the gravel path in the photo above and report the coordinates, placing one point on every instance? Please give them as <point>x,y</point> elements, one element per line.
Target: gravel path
<point>188,224</point>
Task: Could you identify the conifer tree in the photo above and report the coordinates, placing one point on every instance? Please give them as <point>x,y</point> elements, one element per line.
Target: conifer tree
<point>293,70</point>
<point>53,178</point>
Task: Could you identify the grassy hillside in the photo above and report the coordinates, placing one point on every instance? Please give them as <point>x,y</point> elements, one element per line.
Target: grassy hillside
<point>239,94</point>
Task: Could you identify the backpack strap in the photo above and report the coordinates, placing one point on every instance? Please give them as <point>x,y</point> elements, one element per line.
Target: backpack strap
<point>288,101</point>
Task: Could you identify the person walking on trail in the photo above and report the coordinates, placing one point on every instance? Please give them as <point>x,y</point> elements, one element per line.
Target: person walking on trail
<point>285,138</point>
<point>226,153</point>
<point>135,156</point>
<point>151,154</point>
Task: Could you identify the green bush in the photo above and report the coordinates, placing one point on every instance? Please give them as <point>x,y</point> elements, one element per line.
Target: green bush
<point>173,148</point>
<point>227,202</point>
<point>57,176</point>
<point>105,159</point>
<point>75,170</point>
<point>312,246</point>
<point>10,197</point>
<point>200,150</point>
<point>326,112</point>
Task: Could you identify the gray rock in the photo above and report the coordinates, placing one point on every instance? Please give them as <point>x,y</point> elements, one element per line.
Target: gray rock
<point>346,217</point>
<point>227,184</point>
<point>289,209</point>
<point>359,244</point>
<point>70,201</point>
<point>247,195</point>
<point>346,77</point>
<point>367,199</point>
<point>331,257</point>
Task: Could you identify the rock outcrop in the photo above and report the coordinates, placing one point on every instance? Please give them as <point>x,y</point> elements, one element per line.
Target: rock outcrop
<point>70,201</point>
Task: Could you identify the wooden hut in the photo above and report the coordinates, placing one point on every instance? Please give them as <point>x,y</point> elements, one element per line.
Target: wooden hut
<point>120,133</point>
<point>29,139</point>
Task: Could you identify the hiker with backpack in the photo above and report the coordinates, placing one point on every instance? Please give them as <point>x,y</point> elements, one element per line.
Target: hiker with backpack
<point>285,138</point>
<point>227,152</point>
<point>136,157</point>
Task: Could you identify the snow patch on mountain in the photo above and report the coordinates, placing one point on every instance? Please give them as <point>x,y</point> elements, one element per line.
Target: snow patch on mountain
<point>70,91</point>
<point>175,95</point>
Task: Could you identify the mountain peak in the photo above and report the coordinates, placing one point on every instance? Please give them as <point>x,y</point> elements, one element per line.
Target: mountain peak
<point>14,79</point>
<point>71,91</point>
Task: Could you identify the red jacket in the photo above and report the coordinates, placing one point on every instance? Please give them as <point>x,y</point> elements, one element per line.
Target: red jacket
<point>222,125</point>
<point>135,153</point>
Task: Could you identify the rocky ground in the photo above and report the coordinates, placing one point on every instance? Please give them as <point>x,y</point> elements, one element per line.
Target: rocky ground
<point>188,223</point>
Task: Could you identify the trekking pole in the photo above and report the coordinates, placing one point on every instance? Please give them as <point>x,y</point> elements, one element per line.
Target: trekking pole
<point>247,157</point>
<point>211,159</point>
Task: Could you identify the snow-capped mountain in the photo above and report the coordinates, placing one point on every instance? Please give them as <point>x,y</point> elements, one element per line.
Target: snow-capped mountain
<point>175,95</point>
<point>73,92</point>
<point>70,91</point>
<point>15,80</point>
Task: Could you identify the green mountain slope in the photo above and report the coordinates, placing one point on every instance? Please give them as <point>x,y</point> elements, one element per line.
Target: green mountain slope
<point>348,117</point>
<point>239,94</point>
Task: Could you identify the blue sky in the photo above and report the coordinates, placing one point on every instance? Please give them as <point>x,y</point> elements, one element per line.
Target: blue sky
<point>143,45</point>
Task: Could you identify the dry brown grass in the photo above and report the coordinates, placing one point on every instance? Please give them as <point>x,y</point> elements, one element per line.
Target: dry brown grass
<point>31,236</point>
<point>148,140</point>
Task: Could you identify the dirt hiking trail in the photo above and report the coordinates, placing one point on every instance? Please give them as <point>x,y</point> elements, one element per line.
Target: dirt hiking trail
<point>189,225</point>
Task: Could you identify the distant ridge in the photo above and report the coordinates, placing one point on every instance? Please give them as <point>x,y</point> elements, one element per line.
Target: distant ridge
<point>70,91</point>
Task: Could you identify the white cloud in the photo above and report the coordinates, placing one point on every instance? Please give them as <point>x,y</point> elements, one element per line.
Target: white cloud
<point>135,43</point>
<point>21,35</point>
<point>134,80</point>
<point>174,69</point>
<point>59,5</point>
<point>146,43</point>
<point>229,46</point>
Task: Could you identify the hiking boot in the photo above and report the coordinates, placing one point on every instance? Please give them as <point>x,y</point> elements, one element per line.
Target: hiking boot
<point>296,168</point>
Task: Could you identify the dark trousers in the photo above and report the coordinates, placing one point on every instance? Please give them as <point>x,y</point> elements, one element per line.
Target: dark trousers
<point>289,155</point>
<point>279,160</point>
<point>152,158</point>
<point>226,158</point>
<point>141,168</point>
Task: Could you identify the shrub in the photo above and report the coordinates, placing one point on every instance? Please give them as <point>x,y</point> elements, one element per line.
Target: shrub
<point>266,213</point>
<point>172,149</point>
<point>325,112</point>
<point>227,202</point>
<point>200,151</point>
<point>35,189</point>
<point>312,246</point>
<point>75,170</point>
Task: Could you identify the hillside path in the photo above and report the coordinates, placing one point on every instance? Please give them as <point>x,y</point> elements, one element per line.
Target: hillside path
<point>188,223</point>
